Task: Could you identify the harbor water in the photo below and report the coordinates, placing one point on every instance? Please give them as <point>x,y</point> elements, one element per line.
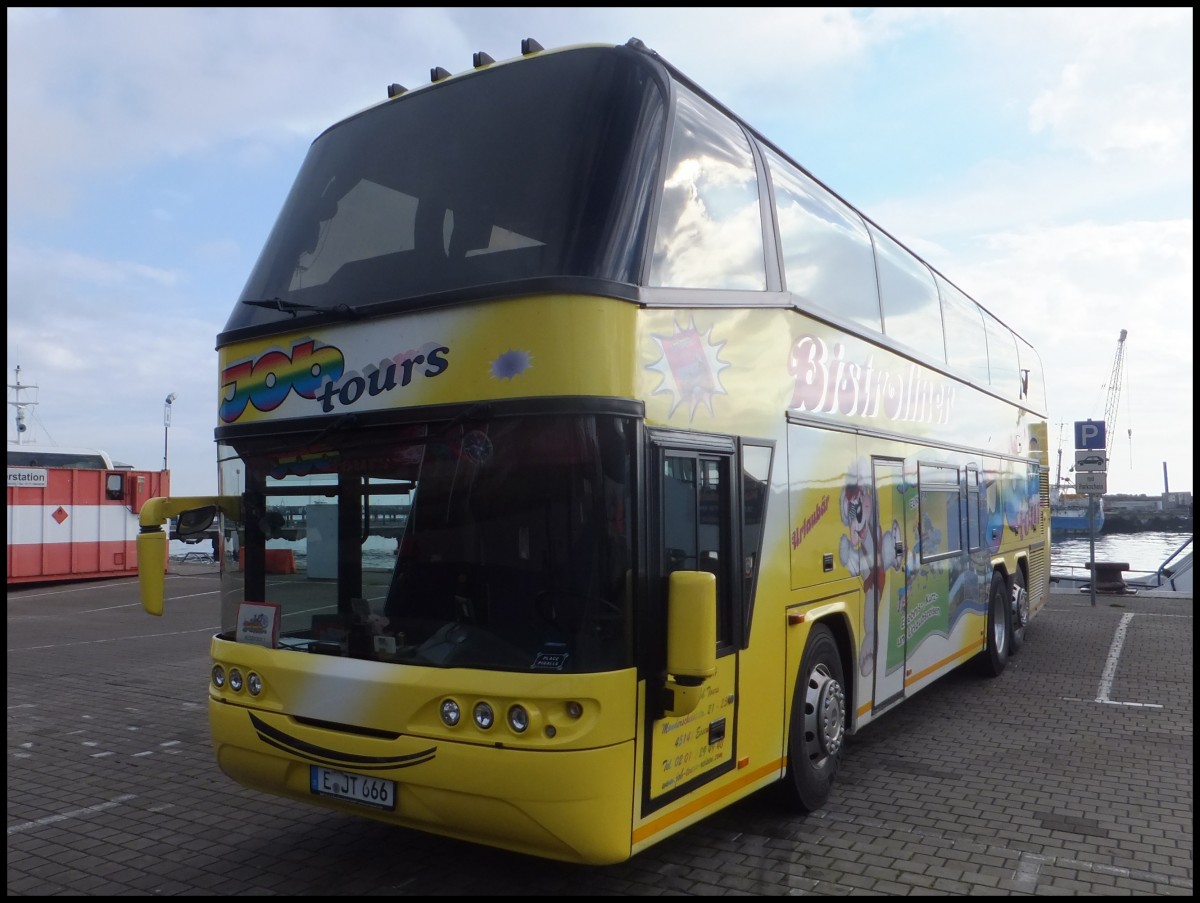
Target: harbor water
<point>1143,552</point>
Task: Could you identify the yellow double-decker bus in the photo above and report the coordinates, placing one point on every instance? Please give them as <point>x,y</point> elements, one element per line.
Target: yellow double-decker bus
<point>592,466</point>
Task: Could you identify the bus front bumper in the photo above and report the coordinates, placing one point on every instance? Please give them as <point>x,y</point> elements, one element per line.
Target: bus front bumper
<point>569,805</point>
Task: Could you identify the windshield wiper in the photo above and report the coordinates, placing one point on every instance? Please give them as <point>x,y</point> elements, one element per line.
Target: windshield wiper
<point>291,307</point>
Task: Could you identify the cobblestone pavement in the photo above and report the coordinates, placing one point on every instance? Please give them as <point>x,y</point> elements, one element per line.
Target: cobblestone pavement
<point>1071,773</point>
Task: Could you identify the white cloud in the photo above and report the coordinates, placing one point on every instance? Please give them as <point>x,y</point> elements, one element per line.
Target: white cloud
<point>1071,220</point>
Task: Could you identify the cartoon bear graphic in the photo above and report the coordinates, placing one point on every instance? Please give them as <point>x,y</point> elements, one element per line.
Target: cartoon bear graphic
<point>866,551</point>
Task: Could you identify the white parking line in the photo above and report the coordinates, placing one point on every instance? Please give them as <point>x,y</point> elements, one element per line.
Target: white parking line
<point>50,819</point>
<point>118,639</point>
<point>1110,667</point>
<point>70,589</point>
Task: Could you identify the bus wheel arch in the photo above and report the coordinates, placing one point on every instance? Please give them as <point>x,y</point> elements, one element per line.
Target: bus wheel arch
<point>995,653</point>
<point>820,721</point>
<point>1018,595</point>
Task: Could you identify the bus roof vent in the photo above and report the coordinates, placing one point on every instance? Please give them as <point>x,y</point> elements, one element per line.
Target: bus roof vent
<point>395,90</point>
<point>529,45</point>
<point>437,74</point>
<point>636,43</point>
<point>481,59</point>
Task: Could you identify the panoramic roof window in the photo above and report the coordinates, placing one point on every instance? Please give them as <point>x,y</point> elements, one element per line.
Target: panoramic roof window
<point>538,168</point>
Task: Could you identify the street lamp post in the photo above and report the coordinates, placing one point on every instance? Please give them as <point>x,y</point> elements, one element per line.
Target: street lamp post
<point>167,425</point>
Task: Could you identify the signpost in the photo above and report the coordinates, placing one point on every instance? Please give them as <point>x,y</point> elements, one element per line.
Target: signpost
<point>1091,476</point>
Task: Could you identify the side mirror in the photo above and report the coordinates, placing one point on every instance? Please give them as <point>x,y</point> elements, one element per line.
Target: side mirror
<point>195,515</point>
<point>152,577</point>
<point>195,521</point>
<point>691,639</point>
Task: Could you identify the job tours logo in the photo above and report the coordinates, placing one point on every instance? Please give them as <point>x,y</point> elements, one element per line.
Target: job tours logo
<point>318,373</point>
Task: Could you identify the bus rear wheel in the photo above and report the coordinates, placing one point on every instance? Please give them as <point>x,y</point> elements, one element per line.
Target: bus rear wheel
<point>1018,614</point>
<point>995,655</point>
<point>818,728</point>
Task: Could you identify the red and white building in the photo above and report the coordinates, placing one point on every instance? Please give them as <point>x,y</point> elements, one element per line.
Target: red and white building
<point>73,514</point>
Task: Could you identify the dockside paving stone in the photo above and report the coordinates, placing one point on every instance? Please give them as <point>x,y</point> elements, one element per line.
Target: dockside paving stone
<point>1070,774</point>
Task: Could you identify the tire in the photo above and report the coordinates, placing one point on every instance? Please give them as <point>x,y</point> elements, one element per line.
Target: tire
<point>995,656</point>
<point>1018,611</point>
<point>818,730</point>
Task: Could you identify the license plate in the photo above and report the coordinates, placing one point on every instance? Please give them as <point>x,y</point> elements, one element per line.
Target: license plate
<point>356,788</point>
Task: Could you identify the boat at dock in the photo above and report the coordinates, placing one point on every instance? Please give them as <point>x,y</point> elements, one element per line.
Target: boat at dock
<point>1069,513</point>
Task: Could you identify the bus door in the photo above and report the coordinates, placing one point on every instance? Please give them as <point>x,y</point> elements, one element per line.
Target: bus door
<point>888,595</point>
<point>695,497</point>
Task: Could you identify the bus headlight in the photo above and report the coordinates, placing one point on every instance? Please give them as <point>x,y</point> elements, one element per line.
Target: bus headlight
<point>254,684</point>
<point>235,680</point>
<point>484,716</point>
<point>218,677</point>
<point>450,712</point>
<point>518,719</point>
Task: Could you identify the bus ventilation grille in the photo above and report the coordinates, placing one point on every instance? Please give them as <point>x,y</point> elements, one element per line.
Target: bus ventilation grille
<point>1039,571</point>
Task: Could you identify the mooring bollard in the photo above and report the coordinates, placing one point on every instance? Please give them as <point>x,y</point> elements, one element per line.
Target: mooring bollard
<point>1108,578</point>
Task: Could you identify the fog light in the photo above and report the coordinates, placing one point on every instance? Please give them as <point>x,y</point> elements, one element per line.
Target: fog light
<point>518,719</point>
<point>450,712</point>
<point>254,684</point>
<point>218,676</point>
<point>574,709</point>
<point>484,716</point>
<point>235,680</point>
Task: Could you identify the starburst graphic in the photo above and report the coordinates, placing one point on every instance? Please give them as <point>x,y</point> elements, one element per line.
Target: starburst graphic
<point>690,368</point>
<point>511,363</point>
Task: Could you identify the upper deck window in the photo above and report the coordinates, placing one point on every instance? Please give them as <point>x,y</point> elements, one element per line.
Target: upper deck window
<point>1003,362</point>
<point>542,167</point>
<point>966,342</point>
<point>710,226</point>
<point>912,313</point>
<point>827,254</point>
<point>1032,383</point>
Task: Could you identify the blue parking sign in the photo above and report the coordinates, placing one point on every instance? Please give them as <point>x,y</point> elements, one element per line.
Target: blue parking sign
<point>1089,434</point>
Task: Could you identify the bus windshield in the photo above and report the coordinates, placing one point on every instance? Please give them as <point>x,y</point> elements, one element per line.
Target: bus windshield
<point>458,185</point>
<point>498,544</point>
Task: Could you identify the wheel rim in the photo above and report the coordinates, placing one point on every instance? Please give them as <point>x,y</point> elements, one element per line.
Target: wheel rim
<point>1020,606</point>
<point>824,716</point>
<point>999,627</point>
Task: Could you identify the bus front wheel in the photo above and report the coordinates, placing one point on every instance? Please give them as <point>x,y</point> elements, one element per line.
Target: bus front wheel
<point>995,655</point>
<point>818,728</point>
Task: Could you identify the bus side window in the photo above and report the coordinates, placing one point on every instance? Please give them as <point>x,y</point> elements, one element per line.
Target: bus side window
<point>710,225</point>
<point>696,526</point>
<point>827,256</point>
<point>756,481</point>
<point>912,311</point>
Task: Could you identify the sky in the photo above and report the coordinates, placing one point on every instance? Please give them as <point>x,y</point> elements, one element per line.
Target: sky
<point>1040,159</point>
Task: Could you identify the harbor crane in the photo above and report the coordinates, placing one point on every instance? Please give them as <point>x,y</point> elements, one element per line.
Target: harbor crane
<point>1114,393</point>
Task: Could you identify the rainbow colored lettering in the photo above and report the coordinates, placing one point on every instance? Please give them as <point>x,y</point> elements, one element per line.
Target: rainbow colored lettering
<point>313,372</point>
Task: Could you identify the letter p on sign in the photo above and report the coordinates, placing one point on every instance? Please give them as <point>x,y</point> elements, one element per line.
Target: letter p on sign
<point>1090,434</point>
